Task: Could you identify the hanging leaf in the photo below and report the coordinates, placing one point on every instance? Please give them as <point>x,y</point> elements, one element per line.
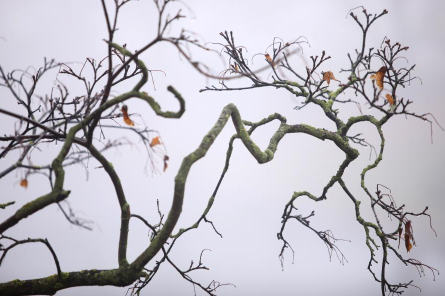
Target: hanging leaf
<point>24,183</point>
<point>408,227</point>
<point>408,236</point>
<point>378,77</point>
<point>155,141</point>
<point>166,158</point>
<point>390,99</point>
<point>408,244</point>
<point>400,234</point>
<point>127,119</point>
<point>328,76</point>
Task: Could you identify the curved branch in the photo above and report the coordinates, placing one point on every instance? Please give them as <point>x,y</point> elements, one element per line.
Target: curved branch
<point>37,240</point>
<point>262,157</point>
<point>124,206</point>
<point>253,127</point>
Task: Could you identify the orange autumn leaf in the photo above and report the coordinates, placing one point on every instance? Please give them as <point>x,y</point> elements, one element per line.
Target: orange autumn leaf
<point>408,236</point>
<point>390,99</point>
<point>24,183</point>
<point>268,58</point>
<point>155,141</point>
<point>127,119</point>
<point>328,76</point>
<point>166,158</point>
<point>408,227</point>
<point>408,244</point>
<point>378,76</point>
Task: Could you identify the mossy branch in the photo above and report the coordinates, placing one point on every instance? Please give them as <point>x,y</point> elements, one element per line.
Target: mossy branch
<point>50,285</point>
<point>278,135</point>
<point>253,127</point>
<point>124,206</point>
<point>261,156</point>
<point>3,206</point>
<point>33,207</point>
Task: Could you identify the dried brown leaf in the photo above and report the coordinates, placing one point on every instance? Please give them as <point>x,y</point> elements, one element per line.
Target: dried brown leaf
<point>378,76</point>
<point>408,235</point>
<point>166,158</point>
<point>127,119</point>
<point>408,244</point>
<point>328,76</point>
<point>155,141</point>
<point>408,227</point>
<point>24,183</point>
<point>390,99</point>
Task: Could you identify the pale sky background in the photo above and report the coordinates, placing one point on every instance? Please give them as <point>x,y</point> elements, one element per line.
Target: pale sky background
<point>249,204</point>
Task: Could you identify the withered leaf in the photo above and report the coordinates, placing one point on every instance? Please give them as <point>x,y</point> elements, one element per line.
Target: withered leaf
<point>268,58</point>
<point>24,183</point>
<point>166,158</point>
<point>390,99</point>
<point>408,235</point>
<point>408,244</point>
<point>408,227</point>
<point>155,141</point>
<point>328,76</point>
<point>378,76</point>
<point>127,119</point>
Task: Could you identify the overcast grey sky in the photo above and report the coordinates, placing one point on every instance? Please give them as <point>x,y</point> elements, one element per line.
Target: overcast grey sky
<point>249,204</point>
